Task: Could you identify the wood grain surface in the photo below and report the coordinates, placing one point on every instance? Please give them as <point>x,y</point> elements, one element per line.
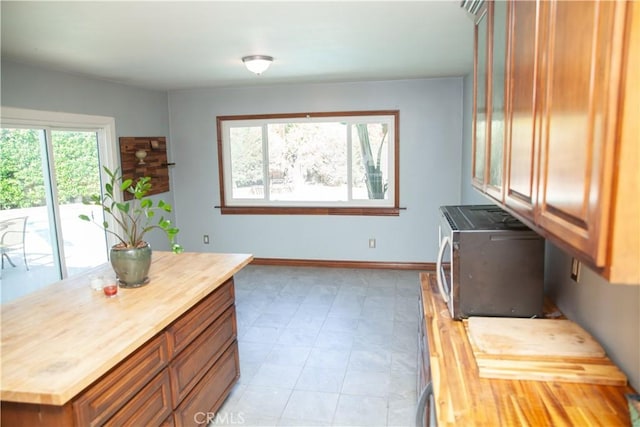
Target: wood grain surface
<point>155,165</point>
<point>539,349</point>
<point>60,339</point>
<point>532,337</point>
<point>463,398</point>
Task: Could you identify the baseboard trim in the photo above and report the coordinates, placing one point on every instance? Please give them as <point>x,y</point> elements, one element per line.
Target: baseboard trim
<point>382,265</point>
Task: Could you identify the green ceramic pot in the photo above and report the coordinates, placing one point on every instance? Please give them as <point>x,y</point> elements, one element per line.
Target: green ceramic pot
<point>131,265</point>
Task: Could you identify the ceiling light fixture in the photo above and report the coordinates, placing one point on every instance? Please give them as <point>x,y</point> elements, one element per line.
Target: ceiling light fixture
<point>257,63</point>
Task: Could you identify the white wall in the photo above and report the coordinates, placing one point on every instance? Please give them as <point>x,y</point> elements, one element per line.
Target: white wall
<point>609,312</point>
<point>430,151</point>
<point>137,112</point>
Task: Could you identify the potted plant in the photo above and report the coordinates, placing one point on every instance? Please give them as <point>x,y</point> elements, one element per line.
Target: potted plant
<point>131,256</point>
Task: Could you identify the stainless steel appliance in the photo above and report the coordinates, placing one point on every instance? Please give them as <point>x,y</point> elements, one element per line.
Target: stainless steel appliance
<point>489,263</point>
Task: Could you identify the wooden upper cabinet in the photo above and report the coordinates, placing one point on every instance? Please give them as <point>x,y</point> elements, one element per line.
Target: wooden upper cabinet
<point>588,176</point>
<point>623,258</point>
<point>497,59</point>
<point>522,81</point>
<point>572,162</point>
<point>480,84</point>
<point>579,114</point>
<point>489,98</point>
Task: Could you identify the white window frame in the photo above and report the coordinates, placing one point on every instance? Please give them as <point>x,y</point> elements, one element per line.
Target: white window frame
<point>387,206</point>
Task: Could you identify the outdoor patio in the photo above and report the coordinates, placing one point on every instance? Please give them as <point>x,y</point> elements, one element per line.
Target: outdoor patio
<point>82,247</point>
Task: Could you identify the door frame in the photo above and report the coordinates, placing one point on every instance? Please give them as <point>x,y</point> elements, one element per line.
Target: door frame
<point>104,127</point>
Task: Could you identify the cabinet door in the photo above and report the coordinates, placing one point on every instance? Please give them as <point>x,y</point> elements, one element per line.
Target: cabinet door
<point>582,76</point>
<point>149,407</point>
<point>211,391</point>
<point>522,81</point>
<point>192,363</point>
<point>105,397</point>
<point>480,100</point>
<point>496,135</point>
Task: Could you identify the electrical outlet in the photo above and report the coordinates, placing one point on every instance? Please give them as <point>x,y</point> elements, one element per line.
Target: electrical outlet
<point>372,243</point>
<point>575,270</point>
<point>205,239</point>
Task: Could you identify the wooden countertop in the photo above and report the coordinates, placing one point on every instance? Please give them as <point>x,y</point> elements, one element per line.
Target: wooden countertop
<point>60,339</point>
<point>464,399</point>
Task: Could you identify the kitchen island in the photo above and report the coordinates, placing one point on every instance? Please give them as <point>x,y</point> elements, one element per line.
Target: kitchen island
<point>463,398</point>
<point>154,355</point>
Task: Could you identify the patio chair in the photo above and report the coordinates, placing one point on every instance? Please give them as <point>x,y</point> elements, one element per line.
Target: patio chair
<point>12,233</point>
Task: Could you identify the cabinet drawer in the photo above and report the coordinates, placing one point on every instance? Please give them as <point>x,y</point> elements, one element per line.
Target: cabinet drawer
<point>194,361</point>
<point>150,407</point>
<point>196,320</point>
<point>101,400</point>
<point>211,391</point>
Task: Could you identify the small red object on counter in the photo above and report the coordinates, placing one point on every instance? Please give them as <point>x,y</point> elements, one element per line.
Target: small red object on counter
<point>110,290</point>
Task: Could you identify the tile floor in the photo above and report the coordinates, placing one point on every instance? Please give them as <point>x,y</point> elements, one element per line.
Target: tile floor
<point>325,347</point>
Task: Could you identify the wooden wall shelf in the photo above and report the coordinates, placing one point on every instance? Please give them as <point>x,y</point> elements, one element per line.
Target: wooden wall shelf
<point>155,163</point>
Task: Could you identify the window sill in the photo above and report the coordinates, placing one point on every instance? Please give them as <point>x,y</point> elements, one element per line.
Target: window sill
<point>267,210</point>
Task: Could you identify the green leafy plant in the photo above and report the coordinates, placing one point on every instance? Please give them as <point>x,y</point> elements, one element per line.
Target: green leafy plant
<point>137,216</point>
<point>375,187</point>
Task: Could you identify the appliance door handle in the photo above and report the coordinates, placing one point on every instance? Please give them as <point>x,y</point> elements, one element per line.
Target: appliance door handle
<point>422,403</point>
<point>439,276</point>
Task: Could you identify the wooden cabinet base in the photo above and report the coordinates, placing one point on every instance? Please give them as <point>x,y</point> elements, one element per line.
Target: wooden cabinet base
<point>178,377</point>
<point>29,414</point>
<point>200,405</point>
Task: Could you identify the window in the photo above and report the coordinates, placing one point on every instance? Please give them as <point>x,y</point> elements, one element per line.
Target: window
<point>309,163</point>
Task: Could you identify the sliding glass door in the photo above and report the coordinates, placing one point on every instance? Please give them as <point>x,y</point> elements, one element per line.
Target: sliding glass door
<point>46,172</point>
<point>77,176</point>
<point>28,252</point>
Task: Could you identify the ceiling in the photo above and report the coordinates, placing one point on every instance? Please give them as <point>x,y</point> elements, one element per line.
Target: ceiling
<point>179,44</point>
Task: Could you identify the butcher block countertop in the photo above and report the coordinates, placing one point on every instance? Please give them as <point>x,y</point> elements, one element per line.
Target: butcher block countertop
<point>60,339</point>
<point>462,398</point>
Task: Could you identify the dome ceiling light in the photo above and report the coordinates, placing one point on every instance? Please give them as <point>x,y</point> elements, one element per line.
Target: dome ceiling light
<point>257,64</point>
